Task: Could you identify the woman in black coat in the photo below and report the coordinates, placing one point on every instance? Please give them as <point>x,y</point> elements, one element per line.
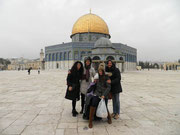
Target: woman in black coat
<point>116,88</point>
<point>73,85</point>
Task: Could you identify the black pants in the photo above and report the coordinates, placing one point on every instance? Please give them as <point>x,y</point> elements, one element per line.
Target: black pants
<point>82,100</point>
<point>95,101</point>
<point>74,104</point>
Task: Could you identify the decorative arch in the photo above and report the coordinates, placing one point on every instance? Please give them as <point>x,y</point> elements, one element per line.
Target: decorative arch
<point>65,55</point>
<point>110,58</point>
<point>46,59</point>
<point>82,53</point>
<point>53,57</point>
<point>69,55</point>
<point>121,58</point>
<point>60,56</point>
<point>96,58</point>
<point>76,55</point>
<point>56,56</point>
<point>49,57</point>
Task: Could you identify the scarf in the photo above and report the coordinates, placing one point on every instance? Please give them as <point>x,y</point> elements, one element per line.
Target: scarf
<point>87,75</point>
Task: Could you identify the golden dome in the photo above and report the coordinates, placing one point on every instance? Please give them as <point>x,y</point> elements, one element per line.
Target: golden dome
<point>90,23</point>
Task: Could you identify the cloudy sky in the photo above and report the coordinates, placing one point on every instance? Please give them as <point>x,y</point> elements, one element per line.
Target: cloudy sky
<point>151,26</point>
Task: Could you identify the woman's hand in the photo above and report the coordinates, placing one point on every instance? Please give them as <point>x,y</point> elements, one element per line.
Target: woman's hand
<point>70,88</point>
<point>69,72</point>
<point>103,97</point>
<point>109,81</point>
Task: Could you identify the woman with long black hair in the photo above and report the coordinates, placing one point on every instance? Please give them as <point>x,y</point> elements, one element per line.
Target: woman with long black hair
<point>73,85</point>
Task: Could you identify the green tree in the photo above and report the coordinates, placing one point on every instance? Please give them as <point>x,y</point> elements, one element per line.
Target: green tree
<point>4,62</point>
<point>141,63</point>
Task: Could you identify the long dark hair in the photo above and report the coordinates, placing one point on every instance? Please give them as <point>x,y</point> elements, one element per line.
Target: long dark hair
<point>112,68</point>
<point>75,70</point>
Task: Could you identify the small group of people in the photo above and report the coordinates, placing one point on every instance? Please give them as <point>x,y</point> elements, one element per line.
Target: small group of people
<point>106,83</point>
<point>29,70</point>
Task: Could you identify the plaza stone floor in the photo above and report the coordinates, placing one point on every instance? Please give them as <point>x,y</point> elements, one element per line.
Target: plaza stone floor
<point>35,105</point>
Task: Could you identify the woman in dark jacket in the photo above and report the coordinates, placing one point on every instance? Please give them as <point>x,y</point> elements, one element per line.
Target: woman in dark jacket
<point>116,88</point>
<point>73,85</point>
<point>101,91</point>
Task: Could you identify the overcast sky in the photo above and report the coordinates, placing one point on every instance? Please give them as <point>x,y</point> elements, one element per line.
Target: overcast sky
<point>151,26</point>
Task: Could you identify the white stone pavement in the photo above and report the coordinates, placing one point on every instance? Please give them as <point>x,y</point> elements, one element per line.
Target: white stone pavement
<point>35,105</point>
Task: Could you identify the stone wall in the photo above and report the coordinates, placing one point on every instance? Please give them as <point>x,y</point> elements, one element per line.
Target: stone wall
<point>128,66</point>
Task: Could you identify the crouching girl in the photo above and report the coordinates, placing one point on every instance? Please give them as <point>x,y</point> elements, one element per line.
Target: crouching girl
<point>101,91</point>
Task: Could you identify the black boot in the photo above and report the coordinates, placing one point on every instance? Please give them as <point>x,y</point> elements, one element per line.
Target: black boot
<point>82,103</point>
<point>74,113</point>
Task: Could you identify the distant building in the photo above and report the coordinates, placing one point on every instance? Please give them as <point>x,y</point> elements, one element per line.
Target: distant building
<point>171,66</point>
<point>178,67</point>
<point>86,32</point>
<point>24,64</point>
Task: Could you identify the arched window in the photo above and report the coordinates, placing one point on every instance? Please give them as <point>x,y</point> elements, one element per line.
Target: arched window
<point>69,55</point>
<point>110,58</point>
<point>128,57</point>
<point>120,58</point>
<point>89,52</point>
<point>170,67</point>
<point>53,57</point>
<point>56,56</point>
<point>76,55</point>
<point>49,57</point>
<point>82,53</point>
<point>46,59</point>
<point>65,56</point>
<point>96,58</point>
<point>60,56</point>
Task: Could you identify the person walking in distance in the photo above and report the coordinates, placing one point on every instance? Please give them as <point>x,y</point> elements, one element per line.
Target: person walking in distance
<point>38,70</point>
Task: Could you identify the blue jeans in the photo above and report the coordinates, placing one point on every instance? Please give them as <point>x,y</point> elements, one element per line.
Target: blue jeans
<point>116,103</point>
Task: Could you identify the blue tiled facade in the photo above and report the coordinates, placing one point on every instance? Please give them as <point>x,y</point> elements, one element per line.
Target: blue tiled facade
<point>75,50</point>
